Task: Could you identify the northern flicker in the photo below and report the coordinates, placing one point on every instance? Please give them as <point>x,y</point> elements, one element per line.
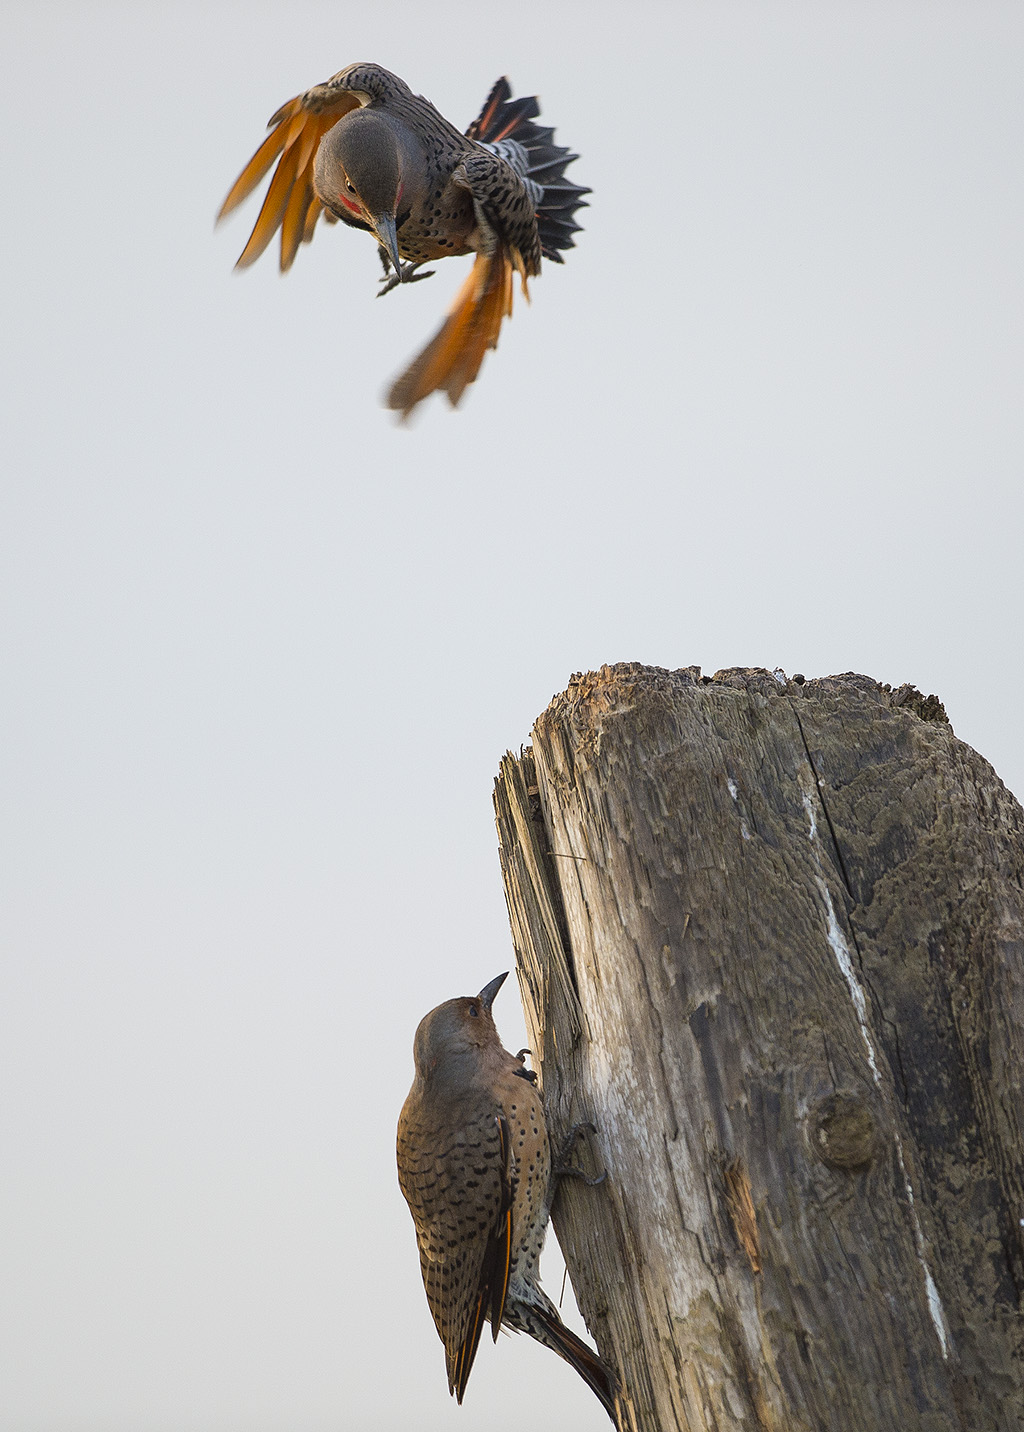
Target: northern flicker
<point>364,149</point>
<point>474,1164</point>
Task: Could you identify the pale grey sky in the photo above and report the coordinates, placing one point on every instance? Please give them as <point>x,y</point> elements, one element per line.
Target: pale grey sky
<point>264,649</point>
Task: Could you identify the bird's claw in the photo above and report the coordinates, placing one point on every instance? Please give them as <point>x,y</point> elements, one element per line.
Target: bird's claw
<point>524,1073</point>
<point>406,274</point>
<point>562,1168</point>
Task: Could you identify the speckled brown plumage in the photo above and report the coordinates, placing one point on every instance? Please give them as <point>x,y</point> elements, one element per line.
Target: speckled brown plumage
<point>364,149</point>
<point>474,1164</point>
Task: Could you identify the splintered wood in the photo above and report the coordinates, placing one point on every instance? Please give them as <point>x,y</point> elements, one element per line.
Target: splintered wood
<point>770,939</point>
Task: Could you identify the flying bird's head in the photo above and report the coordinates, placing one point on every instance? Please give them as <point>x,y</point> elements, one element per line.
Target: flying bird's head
<point>357,174</point>
<point>453,1033</point>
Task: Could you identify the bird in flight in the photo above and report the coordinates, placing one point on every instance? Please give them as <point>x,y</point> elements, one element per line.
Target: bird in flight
<point>364,149</point>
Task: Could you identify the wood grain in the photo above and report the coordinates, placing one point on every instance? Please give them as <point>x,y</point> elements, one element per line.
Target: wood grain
<point>770,939</point>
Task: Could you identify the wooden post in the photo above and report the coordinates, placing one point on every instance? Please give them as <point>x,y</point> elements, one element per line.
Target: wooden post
<point>770,939</point>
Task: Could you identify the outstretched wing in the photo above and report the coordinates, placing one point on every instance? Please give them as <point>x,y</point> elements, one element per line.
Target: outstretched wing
<point>509,243</point>
<point>452,358</point>
<point>296,131</point>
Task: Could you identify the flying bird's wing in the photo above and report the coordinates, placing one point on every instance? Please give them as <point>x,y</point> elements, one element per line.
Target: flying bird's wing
<point>504,207</point>
<point>452,358</point>
<point>508,166</point>
<point>295,133</point>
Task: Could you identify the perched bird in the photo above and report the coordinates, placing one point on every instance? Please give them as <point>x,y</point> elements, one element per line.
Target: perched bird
<point>474,1164</point>
<point>364,149</point>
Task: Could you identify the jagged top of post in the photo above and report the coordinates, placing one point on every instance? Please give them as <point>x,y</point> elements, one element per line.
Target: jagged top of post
<point>618,684</point>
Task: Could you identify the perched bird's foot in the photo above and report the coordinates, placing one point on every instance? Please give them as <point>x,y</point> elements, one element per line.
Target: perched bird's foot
<point>406,274</point>
<point>563,1168</point>
<point>524,1073</point>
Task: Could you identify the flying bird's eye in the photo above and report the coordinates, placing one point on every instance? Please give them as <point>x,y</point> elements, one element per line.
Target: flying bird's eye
<point>473,1010</point>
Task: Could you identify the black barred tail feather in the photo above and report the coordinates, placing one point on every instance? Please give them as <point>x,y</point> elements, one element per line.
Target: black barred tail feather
<point>505,118</point>
<point>542,1322</point>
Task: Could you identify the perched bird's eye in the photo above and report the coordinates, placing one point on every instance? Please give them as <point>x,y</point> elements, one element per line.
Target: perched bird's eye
<point>350,186</point>
<point>473,1010</point>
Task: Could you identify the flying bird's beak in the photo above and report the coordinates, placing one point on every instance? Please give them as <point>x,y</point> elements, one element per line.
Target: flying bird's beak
<point>387,237</point>
<point>486,995</point>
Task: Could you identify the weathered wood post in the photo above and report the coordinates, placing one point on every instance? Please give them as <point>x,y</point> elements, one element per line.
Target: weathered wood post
<point>770,938</point>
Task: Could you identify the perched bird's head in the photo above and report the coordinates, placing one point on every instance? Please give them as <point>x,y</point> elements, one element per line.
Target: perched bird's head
<point>358,173</point>
<point>456,1030</point>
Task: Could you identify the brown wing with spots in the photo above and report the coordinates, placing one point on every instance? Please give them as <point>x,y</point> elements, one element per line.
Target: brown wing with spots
<point>458,1185</point>
<point>296,131</point>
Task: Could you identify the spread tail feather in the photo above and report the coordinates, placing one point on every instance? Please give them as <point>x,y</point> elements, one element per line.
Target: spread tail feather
<point>452,358</point>
<point>505,118</point>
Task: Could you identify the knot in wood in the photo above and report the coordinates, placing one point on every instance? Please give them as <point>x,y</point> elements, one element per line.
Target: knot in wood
<point>843,1131</point>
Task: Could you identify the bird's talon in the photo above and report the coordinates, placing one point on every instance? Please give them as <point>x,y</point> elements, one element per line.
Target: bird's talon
<point>562,1168</point>
<point>407,274</point>
<point>524,1073</point>
<point>573,1172</point>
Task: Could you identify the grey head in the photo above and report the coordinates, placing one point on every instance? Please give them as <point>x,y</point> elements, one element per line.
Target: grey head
<point>358,173</point>
<point>450,1037</point>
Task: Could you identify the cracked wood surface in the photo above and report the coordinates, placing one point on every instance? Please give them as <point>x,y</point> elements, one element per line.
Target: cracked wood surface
<point>770,939</point>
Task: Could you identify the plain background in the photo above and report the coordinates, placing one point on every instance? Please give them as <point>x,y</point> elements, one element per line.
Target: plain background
<point>264,648</point>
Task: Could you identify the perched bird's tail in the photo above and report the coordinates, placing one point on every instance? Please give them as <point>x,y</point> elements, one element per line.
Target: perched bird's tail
<point>452,358</point>
<point>505,118</point>
<point>542,1322</point>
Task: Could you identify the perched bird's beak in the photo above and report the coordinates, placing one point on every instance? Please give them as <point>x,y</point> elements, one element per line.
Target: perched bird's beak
<point>486,995</point>
<point>387,237</point>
